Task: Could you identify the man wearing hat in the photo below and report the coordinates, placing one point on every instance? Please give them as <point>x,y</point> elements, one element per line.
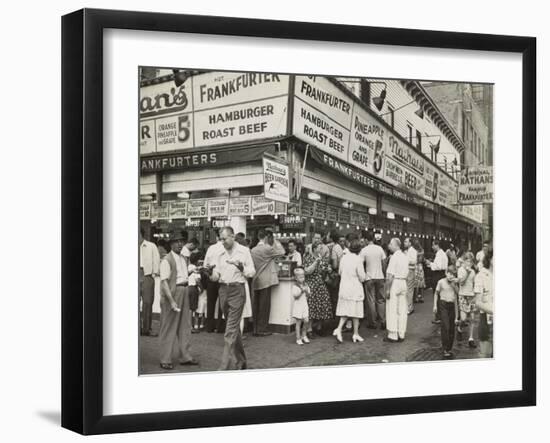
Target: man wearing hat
<point>175,316</point>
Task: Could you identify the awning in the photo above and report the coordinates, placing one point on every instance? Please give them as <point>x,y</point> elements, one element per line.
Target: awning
<point>203,158</point>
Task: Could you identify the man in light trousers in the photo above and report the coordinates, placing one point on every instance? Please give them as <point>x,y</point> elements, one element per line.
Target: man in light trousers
<point>233,265</point>
<point>396,293</point>
<point>411,276</point>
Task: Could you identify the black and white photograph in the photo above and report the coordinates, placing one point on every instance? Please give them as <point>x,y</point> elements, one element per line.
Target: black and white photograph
<point>294,220</point>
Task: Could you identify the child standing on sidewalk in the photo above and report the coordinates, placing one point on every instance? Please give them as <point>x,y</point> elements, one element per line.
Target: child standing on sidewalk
<point>300,310</point>
<point>445,300</point>
<point>196,291</point>
<point>466,296</point>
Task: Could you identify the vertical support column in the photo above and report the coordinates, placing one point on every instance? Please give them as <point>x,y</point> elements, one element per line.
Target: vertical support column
<point>238,224</point>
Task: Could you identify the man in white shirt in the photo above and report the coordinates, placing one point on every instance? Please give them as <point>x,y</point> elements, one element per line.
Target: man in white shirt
<point>375,303</point>
<point>293,253</point>
<point>189,247</point>
<point>396,293</point>
<point>411,277</point>
<point>233,265</point>
<point>175,316</point>
<point>212,292</point>
<point>439,267</point>
<point>149,261</point>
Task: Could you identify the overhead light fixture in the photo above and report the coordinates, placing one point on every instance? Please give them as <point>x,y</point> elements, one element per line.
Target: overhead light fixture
<point>325,223</point>
<point>153,221</point>
<point>314,196</point>
<point>252,217</point>
<point>347,204</point>
<point>379,101</point>
<point>234,193</point>
<point>390,215</point>
<point>276,216</point>
<point>312,221</point>
<point>183,195</point>
<point>373,211</point>
<point>146,197</point>
<point>347,226</point>
<point>419,112</point>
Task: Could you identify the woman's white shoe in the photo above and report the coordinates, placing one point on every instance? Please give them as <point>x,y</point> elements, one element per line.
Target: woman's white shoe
<point>299,342</point>
<point>357,338</point>
<point>305,339</point>
<point>338,334</point>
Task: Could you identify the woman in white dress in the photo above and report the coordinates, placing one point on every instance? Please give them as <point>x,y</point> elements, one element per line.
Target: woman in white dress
<point>350,294</point>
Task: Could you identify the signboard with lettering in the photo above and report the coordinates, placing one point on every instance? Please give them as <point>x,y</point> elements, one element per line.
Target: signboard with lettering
<point>262,206</point>
<point>366,145</point>
<point>218,207</point>
<point>213,108</point>
<point>276,180</point>
<point>240,206</point>
<point>162,211</point>
<point>307,208</point>
<point>144,210</point>
<point>344,216</point>
<point>322,115</point>
<point>320,210</point>
<point>475,185</point>
<point>332,213</point>
<point>196,208</point>
<point>178,209</point>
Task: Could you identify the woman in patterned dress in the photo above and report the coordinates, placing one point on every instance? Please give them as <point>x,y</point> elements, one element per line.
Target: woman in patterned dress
<point>420,280</point>
<point>320,307</point>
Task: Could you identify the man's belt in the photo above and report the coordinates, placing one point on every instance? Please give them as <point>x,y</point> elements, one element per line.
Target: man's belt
<point>236,283</point>
<point>182,284</point>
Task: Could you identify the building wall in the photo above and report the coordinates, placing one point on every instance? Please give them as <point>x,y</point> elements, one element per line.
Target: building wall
<point>407,123</point>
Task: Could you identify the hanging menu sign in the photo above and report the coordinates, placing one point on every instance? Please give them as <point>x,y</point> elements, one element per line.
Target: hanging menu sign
<point>144,210</point>
<point>476,185</point>
<point>162,211</point>
<point>240,206</point>
<point>218,207</point>
<point>276,180</point>
<point>196,208</point>
<point>320,210</point>
<point>307,208</point>
<point>262,206</point>
<point>178,209</point>
<point>332,214</point>
<point>344,216</point>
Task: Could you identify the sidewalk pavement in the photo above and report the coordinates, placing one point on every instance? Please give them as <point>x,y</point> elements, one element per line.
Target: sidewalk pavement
<point>422,343</point>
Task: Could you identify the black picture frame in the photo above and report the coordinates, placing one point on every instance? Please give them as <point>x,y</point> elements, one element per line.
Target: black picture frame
<point>82,218</point>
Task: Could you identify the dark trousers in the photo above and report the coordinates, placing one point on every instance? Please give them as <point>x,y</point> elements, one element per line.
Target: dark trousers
<point>261,309</point>
<point>212,291</point>
<point>175,328</point>
<point>333,290</point>
<point>147,293</point>
<point>232,299</point>
<point>448,315</point>
<point>436,276</point>
<point>375,302</point>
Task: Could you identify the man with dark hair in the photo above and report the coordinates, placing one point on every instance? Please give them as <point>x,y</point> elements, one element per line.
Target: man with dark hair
<point>293,253</point>
<point>375,303</point>
<point>175,317</point>
<point>264,255</point>
<point>232,266</point>
<point>482,253</point>
<point>149,261</point>
<point>189,247</point>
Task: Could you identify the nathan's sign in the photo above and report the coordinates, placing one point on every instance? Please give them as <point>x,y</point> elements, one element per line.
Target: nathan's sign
<point>276,180</point>
<point>475,185</point>
<point>213,108</point>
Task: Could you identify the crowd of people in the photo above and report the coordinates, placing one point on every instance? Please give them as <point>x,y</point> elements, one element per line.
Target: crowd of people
<point>340,283</point>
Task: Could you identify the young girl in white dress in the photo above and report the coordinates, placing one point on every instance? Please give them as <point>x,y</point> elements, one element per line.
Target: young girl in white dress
<point>300,310</point>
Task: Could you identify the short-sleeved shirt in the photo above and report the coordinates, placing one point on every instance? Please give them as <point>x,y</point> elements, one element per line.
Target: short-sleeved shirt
<point>399,265</point>
<point>296,257</point>
<point>467,286</point>
<point>446,290</point>
<point>229,273</point>
<point>412,255</point>
<point>373,255</point>
<point>181,269</point>
<point>441,261</point>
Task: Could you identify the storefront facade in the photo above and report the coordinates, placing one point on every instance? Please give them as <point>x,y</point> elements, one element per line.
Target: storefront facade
<point>202,146</point>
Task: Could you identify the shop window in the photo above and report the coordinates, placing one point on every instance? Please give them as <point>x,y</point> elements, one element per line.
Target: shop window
<point>419,141</point>
<point>410,133</point>
<point>391,116</point>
